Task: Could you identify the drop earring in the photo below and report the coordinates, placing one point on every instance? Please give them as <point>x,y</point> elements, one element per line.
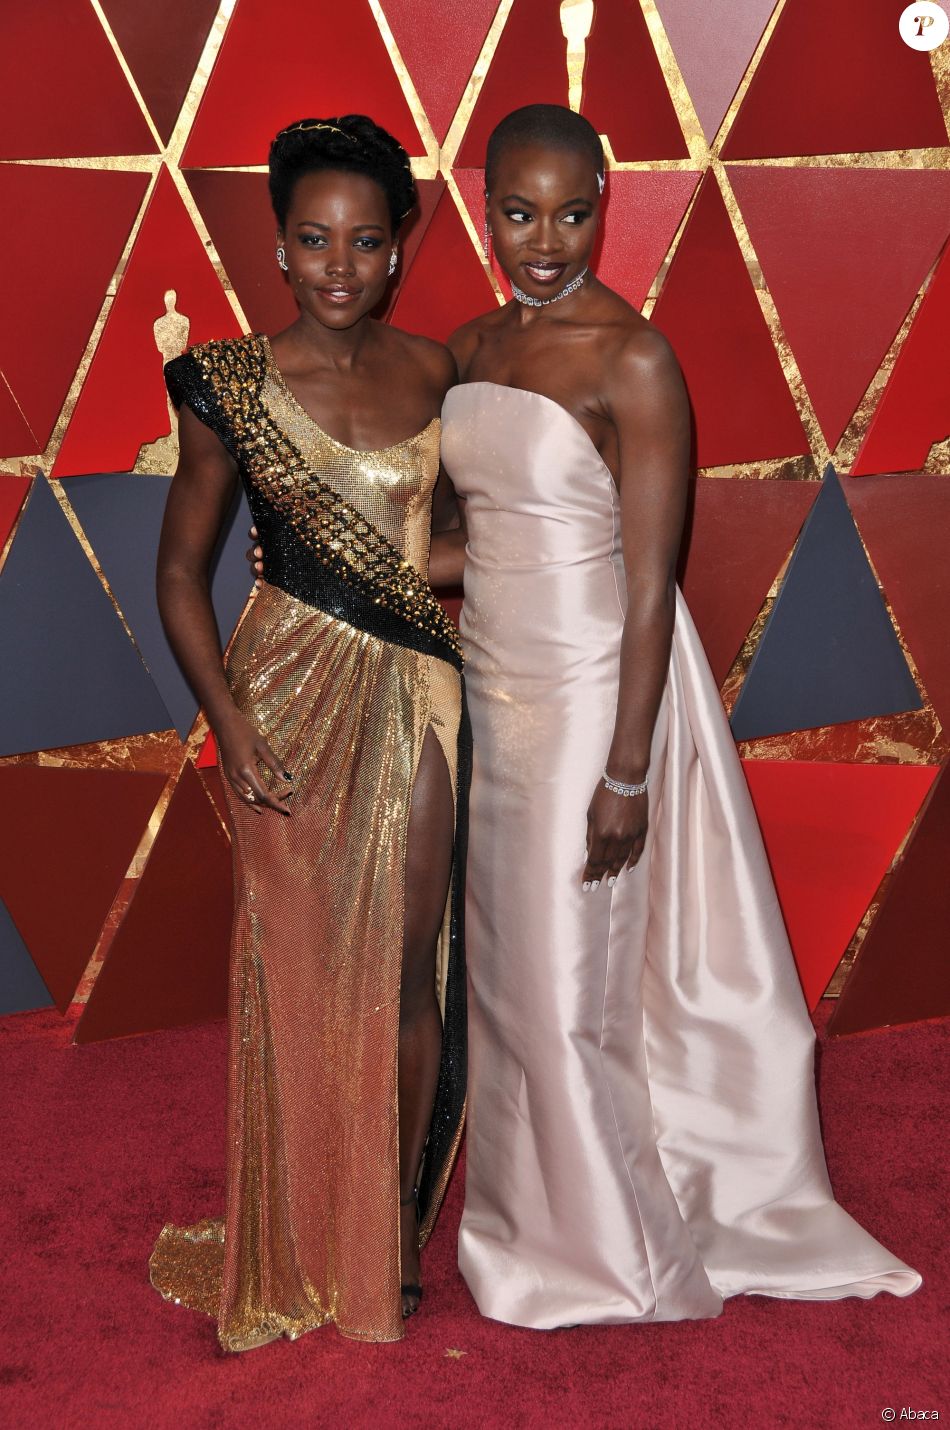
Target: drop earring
<point>282,259</point>
<point>486,239</point>
<point>393,260</point>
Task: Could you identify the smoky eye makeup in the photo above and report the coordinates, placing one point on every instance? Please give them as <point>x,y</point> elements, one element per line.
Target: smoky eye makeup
<point>364,242</point>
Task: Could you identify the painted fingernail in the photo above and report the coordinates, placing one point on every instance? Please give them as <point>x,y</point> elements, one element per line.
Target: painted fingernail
<point>611,881</point>
<point>586,886</point>
<point>595,884</point>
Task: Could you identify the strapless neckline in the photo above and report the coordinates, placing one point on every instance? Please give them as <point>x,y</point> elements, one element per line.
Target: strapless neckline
<point>601,1021</point>
<point>547,401</point>
<point>270,364</point>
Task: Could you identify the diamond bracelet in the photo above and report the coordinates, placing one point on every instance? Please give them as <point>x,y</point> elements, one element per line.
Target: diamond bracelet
<point>618,787</point>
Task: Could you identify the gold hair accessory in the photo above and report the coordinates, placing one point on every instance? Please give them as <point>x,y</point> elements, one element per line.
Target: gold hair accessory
<point>334,129</point>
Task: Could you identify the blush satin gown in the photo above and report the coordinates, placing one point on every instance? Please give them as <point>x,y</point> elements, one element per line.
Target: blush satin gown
<point>643,1136</point>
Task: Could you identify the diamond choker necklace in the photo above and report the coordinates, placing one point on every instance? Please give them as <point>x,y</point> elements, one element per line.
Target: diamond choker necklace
<point>530,302</point>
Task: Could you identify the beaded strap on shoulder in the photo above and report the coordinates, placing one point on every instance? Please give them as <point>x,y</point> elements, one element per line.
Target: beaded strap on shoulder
<point>226,381</point>
<point>187,380</point>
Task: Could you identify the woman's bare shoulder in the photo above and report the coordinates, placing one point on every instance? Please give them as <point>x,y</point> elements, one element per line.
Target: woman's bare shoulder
<point>434,360</point>
<point>643,380</point>
<point>630,344</point>
<point>465,341</point>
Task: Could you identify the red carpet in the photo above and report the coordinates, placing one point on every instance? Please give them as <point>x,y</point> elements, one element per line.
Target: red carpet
<point>102,1144</point>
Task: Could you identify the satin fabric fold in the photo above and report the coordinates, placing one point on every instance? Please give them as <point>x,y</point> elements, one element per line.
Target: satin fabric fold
<point>643,1136</point>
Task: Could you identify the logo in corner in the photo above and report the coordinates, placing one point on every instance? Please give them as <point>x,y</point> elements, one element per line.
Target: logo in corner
<point>924,26</point>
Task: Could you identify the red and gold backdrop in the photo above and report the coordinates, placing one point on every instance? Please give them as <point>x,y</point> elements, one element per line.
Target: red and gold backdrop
<point>778,202</point>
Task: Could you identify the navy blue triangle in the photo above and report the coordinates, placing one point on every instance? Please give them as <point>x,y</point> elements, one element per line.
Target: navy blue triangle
<point>829,652</point>
<point>71,674</point>
<point>121,515</point>
<point>21,986</point>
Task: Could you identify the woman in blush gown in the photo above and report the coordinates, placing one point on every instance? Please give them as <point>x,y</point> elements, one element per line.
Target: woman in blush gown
<point>643,1136</point>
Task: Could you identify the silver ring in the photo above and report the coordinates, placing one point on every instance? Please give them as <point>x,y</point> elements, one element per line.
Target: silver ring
<point>250,796</point>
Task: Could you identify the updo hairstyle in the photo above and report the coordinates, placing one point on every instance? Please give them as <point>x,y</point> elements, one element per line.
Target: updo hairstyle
<point>350,144</point>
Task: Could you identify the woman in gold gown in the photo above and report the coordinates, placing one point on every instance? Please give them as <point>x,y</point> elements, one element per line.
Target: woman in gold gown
<point>342,736</point>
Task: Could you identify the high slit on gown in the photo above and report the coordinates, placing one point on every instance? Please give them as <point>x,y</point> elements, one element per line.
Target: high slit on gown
<point>643,1135</point>
<point>344,662</point>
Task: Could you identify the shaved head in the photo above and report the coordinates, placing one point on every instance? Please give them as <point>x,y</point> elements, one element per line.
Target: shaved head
<point>546,125</point>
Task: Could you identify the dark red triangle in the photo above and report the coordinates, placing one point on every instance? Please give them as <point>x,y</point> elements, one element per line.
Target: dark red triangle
<point>446,285</point>
<point>64,93</point>
<point>642,213</point>
<point>269,74</point>
<point>161,41</point>
<point>533,28</point>
<point>738,534</point>
<point>708,309</point>
<point>167,965</point>
<point>105,433</point>
<point>13,492</point>
<point>905,523</point>
<point>50,291</point>
<point>624,93</point>
<point>830,832</point>
<point>67,838</point>
<point>914,411</point>
<point>843,265</point>
<point>439,45</point>
<point>236,208</point>
<point>902,972</point>
<point>411,235</point>
<point>17,438</point>
<point>471,187</point>
<point>836,79</point>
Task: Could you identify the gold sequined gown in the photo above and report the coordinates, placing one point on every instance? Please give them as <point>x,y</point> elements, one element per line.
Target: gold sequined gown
<point>344,662</point>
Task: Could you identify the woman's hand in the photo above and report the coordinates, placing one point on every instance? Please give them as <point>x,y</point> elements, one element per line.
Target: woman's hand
<point>241,749</point>
<point>616,830</point>
<point>255,556</point>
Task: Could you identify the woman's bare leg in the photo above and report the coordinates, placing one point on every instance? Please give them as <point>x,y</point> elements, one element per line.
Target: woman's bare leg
<point>428,870</point>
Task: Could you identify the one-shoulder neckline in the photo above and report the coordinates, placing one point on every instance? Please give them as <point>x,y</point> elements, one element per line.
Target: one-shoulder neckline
<point>542,397</point>
<point>270,366</point>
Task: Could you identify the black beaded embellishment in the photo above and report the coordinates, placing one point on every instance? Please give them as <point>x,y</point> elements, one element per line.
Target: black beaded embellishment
<point>363,576</point>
